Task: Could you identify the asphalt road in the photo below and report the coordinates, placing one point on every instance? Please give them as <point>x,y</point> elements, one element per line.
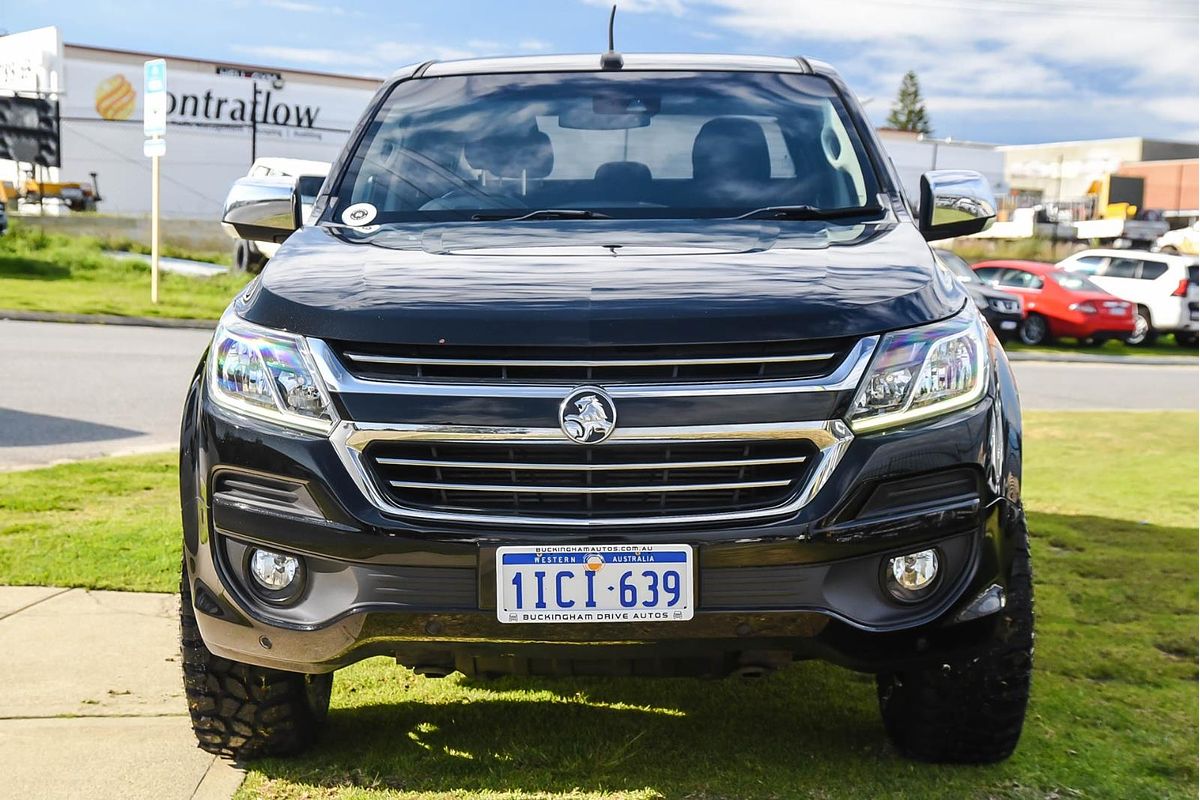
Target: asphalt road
<point>80,391</point>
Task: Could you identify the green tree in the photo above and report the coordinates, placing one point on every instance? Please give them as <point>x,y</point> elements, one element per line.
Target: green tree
<point>908,113</point>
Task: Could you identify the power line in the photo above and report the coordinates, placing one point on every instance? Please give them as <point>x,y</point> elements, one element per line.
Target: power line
<point>140,164</point>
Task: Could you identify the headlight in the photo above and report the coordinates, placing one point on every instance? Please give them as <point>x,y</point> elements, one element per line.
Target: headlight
<point>923,372</point>
<point>267,374</point>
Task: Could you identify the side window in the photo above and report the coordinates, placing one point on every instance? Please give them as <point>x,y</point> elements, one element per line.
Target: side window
<point>1089,264</point>
<point>1122,268</point>
<point>1152,270</point>
<point>1020,279</point>
<point>988,273</point>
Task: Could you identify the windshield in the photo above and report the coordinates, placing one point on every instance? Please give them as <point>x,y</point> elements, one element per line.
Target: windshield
<point>1075,282</point>
<point>961,269</point>
<point>618,144</point>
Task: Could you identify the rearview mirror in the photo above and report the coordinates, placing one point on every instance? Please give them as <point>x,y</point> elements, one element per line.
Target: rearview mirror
<point>262,209</point>
<point>954,202</point>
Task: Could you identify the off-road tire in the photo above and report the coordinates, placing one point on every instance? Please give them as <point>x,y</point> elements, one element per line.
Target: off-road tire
<point>969,711</point>
<point>248,258</point>
<point>242,711</point>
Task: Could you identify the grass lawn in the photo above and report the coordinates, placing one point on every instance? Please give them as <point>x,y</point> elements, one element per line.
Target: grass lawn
<point>1164,346</point>
<point>112,523</point>
<point>50,272</point>
<point>1112,500</point>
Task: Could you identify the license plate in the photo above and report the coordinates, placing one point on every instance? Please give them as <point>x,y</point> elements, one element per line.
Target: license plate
<point>605,583</point>
<point>1008,325</point>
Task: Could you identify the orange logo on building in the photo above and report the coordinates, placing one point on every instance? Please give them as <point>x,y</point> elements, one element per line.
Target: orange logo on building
<point>115,98</point>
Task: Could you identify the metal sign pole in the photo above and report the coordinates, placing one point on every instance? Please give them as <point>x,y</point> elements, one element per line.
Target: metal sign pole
<point>154,228</point>
<point>154,125</point>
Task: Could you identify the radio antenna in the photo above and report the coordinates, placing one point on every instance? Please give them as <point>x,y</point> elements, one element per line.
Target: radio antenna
<point>612,59</point>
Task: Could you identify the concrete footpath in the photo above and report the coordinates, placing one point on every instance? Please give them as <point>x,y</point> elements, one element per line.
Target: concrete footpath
<point>92,702</point>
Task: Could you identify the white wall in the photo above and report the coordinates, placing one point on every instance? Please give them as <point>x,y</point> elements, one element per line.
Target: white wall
<point>308,116</point>
<point>208,132</point>
<point>913,156</point>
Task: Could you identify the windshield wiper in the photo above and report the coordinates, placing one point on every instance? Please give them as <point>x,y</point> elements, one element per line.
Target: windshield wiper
<point>810,212</point>
<point>544,213</point>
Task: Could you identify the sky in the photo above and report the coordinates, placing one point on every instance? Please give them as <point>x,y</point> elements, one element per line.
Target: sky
<point>1001,71</point>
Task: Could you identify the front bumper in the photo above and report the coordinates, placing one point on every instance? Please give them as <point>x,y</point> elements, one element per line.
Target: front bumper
<point>804,585</point>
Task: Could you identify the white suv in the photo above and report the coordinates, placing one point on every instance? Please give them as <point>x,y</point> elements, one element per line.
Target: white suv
<point>252,256</point>
<point>1164,288</point>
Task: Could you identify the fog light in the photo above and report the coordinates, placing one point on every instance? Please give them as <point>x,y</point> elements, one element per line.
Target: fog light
<point>274,572</point>
<point>910,577</point>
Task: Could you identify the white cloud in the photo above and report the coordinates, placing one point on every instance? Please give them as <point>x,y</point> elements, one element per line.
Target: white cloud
<point>534,46</point>
<point>992,55</point>
<point>672,7</point>
<point>304,8</point>
<point>302,56</point>
<point>381,58</point>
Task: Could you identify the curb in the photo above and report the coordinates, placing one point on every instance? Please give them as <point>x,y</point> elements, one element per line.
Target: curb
<point>108,319</point>
<point>1083,358</point>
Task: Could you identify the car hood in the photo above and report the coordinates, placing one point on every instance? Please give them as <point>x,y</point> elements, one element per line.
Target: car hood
<point>600,282</point>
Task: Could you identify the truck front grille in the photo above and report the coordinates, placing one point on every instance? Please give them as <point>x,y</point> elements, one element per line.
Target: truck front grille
<point>570,481</point>
<point>602,365</point>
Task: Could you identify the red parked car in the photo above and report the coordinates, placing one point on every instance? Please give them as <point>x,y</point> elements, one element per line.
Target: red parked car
<point>1059,303</point>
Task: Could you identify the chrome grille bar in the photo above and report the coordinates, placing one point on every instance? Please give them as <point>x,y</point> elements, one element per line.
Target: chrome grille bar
<point>527,489</point>
<point>363,433</point>
<point>370,358</point>
<point>845,376</point>
<point>351,439</point>
<point>526,466</point>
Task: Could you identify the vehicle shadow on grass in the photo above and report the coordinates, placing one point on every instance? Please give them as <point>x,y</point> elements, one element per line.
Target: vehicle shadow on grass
<point>807,726</point>
<point>22,268</point>
<point>1116,604</point>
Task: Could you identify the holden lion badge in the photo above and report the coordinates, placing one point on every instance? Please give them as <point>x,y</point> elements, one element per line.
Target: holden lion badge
<point>587,415</point>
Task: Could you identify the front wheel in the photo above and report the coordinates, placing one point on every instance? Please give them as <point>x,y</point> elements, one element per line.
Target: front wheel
<point>248,258</point>
<point>1143,331</point>
<point>968,711</point>
<point>1034,330</point>
<point>242,711</point>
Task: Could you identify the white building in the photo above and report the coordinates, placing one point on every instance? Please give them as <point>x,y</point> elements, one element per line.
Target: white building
<point>218,113</point>
<point>914,154</point>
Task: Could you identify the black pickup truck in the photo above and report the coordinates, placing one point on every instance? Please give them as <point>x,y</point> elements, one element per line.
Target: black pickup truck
<point>619,366</point>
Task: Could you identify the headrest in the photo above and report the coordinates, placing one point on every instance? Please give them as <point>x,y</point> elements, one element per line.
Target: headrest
<point>624,174</point>
<point>731,148</point>
<point>508,154</point>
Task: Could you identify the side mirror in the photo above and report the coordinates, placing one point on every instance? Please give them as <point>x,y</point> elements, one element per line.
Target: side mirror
<point>954,202</point>
<point>262,209</point>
